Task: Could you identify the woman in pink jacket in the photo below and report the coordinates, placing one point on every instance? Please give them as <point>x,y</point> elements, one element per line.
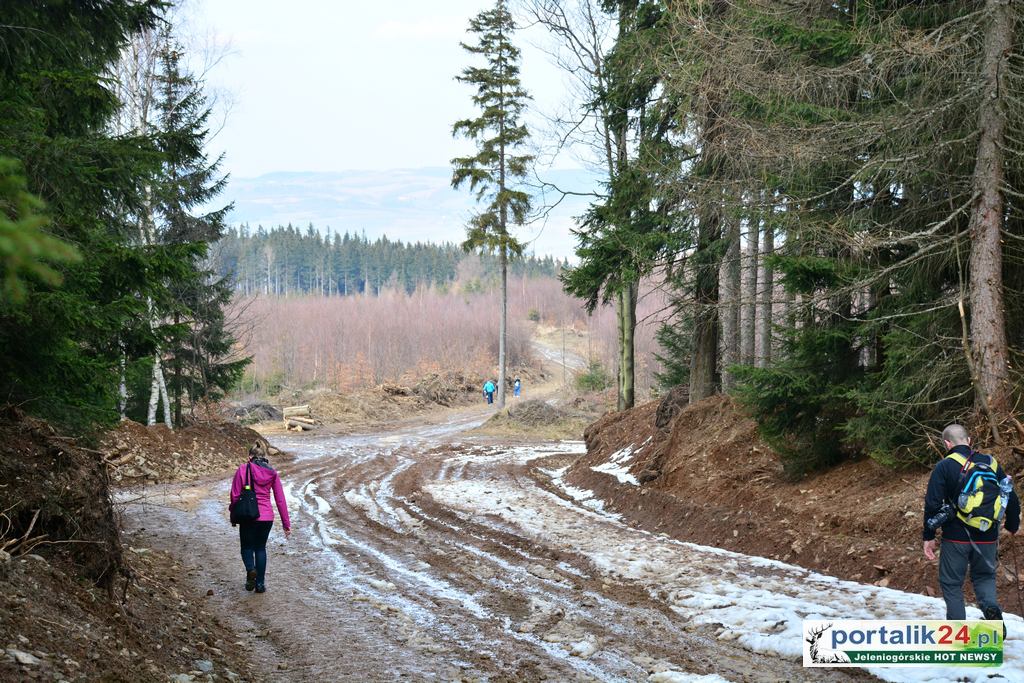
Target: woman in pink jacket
<point>253,535</point>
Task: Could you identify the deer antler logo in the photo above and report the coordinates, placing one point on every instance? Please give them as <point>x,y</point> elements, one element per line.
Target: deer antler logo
<point>814,636</point>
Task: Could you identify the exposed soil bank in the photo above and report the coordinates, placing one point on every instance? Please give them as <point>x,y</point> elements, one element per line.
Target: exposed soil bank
<point>140,454</point>
<point>70,630</point>
<point>542,420</point>
<point>705,476</point>
<point>78,601</point>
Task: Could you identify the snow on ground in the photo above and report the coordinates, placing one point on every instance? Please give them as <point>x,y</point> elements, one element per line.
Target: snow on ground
<point>622,455</point>
<point>620,472</point>
<point>681,677</point>
<point>757,602</point>
<point>618,465</point>
<point>360,499</point>
<point>584,497</point>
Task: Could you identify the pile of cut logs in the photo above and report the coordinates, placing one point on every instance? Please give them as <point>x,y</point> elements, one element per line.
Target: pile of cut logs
<point>297,419</point>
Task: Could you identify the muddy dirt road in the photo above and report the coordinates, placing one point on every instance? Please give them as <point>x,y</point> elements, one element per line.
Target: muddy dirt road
<point>428,554</point>
<point>391,573</point>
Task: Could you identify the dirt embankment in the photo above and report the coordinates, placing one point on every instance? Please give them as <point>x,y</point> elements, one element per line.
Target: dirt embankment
<point>139,454</point>
<point>76,603</point>
<point>700,473</point>
<point>537,419</point>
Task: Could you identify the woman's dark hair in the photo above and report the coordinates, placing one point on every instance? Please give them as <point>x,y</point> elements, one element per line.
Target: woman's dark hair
<point>258,450</point>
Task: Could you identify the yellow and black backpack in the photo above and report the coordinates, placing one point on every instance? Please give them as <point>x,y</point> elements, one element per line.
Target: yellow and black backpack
<point>982,500</point>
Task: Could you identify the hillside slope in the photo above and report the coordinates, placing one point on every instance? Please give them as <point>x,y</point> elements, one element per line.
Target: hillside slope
<point>705,476</point>
<point>79,600</point>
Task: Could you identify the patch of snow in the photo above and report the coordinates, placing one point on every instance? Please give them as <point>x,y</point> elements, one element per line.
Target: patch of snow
<point>406,519</point>
<point>554,474</point>
<point>577,494</point>
<point>335,535</point>
<point>646,441</point>
<point>682,677</point>
<point>322,506</point>
<point>569,569</point>
<point>618,464</point>
<point>584,648</point>
<point>359,499</point>
<point>385,586</point>
<point>584,497</point>
<point>618,471</point>
<point>518,455</point>
<point>622,455</point>
<point>758,603</point>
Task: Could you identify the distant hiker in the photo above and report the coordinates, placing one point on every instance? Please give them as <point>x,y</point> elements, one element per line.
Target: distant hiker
<point>259,477</point>
<point>517,387</point>
<point>489,390</point>
<point>968,496</point>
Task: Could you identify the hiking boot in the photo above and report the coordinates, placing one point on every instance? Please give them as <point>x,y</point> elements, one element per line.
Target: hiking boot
<point>260,588</point>
<point>993,613</point>
<point>250,580</point>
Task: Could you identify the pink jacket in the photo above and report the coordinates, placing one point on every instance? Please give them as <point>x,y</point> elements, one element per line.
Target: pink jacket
<point>265,479</point>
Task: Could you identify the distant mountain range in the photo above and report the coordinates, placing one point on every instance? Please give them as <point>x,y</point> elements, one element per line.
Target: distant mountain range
<point>406,204</point>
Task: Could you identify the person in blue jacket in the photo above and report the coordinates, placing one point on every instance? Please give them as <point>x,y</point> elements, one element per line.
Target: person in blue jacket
<point>489,390</point>
<point>517,387</point>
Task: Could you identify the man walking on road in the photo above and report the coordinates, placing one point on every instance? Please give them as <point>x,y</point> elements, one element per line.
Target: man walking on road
<point>489,390</point>
<point>968,495</point>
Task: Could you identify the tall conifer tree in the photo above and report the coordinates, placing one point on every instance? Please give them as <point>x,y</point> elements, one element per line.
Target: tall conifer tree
<point>201,344</point>
<point>58,348</point>
<point>498,132</point>
<point>623,234</point>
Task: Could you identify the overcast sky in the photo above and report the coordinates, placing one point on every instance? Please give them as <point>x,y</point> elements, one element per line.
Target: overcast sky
<point>334,85</point>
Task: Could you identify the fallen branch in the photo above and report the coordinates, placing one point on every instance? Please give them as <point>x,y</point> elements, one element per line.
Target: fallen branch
<point>117,462</point>
<point>27,546</point>
<point>31,526</point>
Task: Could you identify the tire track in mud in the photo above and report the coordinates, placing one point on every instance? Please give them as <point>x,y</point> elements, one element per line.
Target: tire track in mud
<point>381,581</point>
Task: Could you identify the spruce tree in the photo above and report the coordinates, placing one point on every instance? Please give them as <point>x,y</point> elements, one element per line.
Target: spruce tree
<point>493,171</point>
<point>200,343</point>
<point>885,139</point>
<point>623,234</point>
<point>59,346</point>
<point>27,250</point>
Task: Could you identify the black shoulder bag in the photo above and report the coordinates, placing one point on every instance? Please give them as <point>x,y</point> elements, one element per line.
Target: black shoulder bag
<point>246,509</point>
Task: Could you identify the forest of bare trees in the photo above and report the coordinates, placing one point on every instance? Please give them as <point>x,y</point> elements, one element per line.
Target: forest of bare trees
<point>357,342</point>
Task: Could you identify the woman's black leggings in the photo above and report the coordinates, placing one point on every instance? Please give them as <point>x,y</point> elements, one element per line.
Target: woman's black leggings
<point>253,539</point>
